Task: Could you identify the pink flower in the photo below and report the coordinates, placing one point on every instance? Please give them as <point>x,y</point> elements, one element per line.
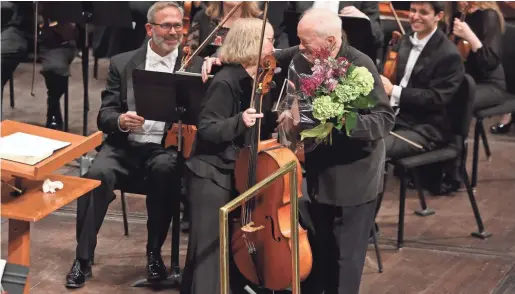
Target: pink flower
<point>331,84</point>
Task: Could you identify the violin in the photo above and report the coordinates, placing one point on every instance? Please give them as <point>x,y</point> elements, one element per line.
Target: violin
<point>391,59</point>
<point>463,46</point>
<point>261,241</point>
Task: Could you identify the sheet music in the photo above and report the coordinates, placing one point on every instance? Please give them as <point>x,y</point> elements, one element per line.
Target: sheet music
<point>2,267</point>
<point>27,148</point>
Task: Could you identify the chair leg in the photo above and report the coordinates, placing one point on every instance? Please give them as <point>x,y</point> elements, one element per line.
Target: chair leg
<point>66,104</point>
<point>475,156</point>
<point>402,208</point>
<point>11,91</point>
<point>484,138</point>
<point>95,69</point>
<point>176,240</point>
<point>481,234</point>
<point>124,213</point>
<point>376,247</point>
<point>424,211</point>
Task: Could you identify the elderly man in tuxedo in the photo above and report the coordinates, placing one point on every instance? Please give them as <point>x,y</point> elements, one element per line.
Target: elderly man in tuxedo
<point>133,145</point>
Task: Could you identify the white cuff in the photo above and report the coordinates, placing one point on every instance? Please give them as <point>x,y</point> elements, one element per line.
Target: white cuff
<point>396,96</point>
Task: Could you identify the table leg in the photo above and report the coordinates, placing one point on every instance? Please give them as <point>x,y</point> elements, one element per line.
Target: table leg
<point>19,245</point>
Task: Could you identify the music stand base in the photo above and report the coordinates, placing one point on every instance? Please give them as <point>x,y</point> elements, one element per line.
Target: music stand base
<point>481,235</point>
<point>172,281</point>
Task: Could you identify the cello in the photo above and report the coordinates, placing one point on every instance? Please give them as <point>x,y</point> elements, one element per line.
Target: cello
<point>261,244</point>
<point>390,64</point>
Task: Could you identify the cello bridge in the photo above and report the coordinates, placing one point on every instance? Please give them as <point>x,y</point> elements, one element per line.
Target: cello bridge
<point>249,228</point>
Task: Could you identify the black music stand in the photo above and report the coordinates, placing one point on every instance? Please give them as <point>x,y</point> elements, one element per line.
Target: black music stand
<point>358,30</point>
<point>185,92</point>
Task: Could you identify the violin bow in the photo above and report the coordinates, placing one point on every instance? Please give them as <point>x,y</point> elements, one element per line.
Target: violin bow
<point>188,61</point>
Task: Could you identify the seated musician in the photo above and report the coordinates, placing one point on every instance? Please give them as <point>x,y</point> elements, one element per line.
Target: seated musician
<point>429,71</point>
<point>206,20</point>
<point>483,29</point>
<point>133,146</point>
<point>226,115</point>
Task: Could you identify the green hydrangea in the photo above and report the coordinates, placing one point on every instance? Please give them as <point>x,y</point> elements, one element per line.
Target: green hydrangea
<point>347,92</point>
<point>325,108</point>
<point>362,80</point>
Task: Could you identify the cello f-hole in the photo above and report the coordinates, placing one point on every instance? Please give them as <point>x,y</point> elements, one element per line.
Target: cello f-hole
<point>276,239</point>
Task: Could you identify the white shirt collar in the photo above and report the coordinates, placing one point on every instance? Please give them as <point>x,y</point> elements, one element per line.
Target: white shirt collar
<point>422,42</point>
<point>169,59</point>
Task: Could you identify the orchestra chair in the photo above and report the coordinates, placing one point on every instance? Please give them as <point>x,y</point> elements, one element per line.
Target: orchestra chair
<point>456,150</point>
<point>11,92</point>
<point>508,62</point>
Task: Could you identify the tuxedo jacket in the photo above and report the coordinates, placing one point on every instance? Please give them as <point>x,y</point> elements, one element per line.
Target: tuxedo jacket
<point>435,79</point>
<point>349,172</point>
<point>118,88</point>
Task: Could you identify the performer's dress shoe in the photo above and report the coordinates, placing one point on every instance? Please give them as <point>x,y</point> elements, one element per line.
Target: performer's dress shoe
<point>79,273</point>
<point>156,269</point>
<point>500,128</point>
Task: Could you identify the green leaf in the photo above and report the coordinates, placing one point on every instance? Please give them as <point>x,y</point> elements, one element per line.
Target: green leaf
<point>363,102</point>
<point>351,119</point>
<point>339,122</point>
<point>319,132</point>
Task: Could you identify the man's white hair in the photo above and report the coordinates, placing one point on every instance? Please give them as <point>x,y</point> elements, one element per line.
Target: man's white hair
<point>160,5</point>
<point>323,21</point>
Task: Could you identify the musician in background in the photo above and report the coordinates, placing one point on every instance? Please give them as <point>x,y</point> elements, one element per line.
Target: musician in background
<point>226,115</point>
<point>482,29</point>
<point>430,71</point>
<point>206,20</point>
<point>57,46</point>
<point>134,146</point>
<point>343,178</point>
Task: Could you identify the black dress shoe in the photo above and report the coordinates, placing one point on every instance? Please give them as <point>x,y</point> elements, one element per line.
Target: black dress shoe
<point>156,269</point>
<point>500,128</point>
<point>79,273</point>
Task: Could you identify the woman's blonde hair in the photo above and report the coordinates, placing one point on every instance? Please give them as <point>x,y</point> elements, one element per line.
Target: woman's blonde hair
<point>241,45</point>
<point>248,9</point>
<point>484,5</point>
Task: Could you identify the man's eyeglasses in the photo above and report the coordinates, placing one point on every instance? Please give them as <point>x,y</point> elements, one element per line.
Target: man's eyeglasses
<point>168,26</point>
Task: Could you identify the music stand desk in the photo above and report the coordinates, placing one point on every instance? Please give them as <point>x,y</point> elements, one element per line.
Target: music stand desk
<point>79,145</point>
<point>33,204</point>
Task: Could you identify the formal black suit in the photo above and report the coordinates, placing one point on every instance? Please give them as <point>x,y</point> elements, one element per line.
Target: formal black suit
<point>120,160</point>
<point>343,181</point>
<point>424,115</point>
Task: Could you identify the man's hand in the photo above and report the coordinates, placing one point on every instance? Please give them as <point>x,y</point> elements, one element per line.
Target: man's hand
<point>352,11</point>
<point>130,121</point>
<point>206,66</point>
<point>287,121</point>
<point>388,87</point>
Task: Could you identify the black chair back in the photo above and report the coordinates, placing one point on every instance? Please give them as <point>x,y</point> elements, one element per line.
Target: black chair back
<point>462,108</point>
<point>508,57</point>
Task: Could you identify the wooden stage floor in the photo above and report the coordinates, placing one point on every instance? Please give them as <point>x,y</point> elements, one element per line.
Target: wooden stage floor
<point>439,256</point>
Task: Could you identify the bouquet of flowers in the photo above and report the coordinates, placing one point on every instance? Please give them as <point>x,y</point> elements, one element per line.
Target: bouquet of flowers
<point>336,90</point>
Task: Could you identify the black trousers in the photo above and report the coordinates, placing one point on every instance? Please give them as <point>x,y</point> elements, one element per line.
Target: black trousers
<point>339,245</point>
<point>397,148</point>
<point>488,95</point>
<point>114,166</point>
<point>55,68</point>
<point>202,270</point>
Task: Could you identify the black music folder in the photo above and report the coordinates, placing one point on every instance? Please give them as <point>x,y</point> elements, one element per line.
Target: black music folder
<point>159,96</point>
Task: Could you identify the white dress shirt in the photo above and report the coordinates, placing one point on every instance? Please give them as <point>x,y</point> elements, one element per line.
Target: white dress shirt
<point>418,46</point>
<point>153,131</point>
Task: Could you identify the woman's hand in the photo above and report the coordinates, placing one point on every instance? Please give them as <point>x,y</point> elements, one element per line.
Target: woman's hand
<point>249,117</point>
<point>207,65</point>
<point>463,30</point>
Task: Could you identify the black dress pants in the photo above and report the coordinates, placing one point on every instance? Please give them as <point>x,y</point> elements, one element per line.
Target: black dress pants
<point>339,245</point>
<point>488,95</point>
<point>114,166</point>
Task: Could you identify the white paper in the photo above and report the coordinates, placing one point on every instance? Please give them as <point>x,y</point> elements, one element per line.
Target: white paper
<point>50,187</point>
<point>2,267</point>
<point>27,148</point>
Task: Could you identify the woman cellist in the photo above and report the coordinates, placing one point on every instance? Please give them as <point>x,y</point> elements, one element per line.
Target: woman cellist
<point>482,30</point>
<point>224,118</point>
